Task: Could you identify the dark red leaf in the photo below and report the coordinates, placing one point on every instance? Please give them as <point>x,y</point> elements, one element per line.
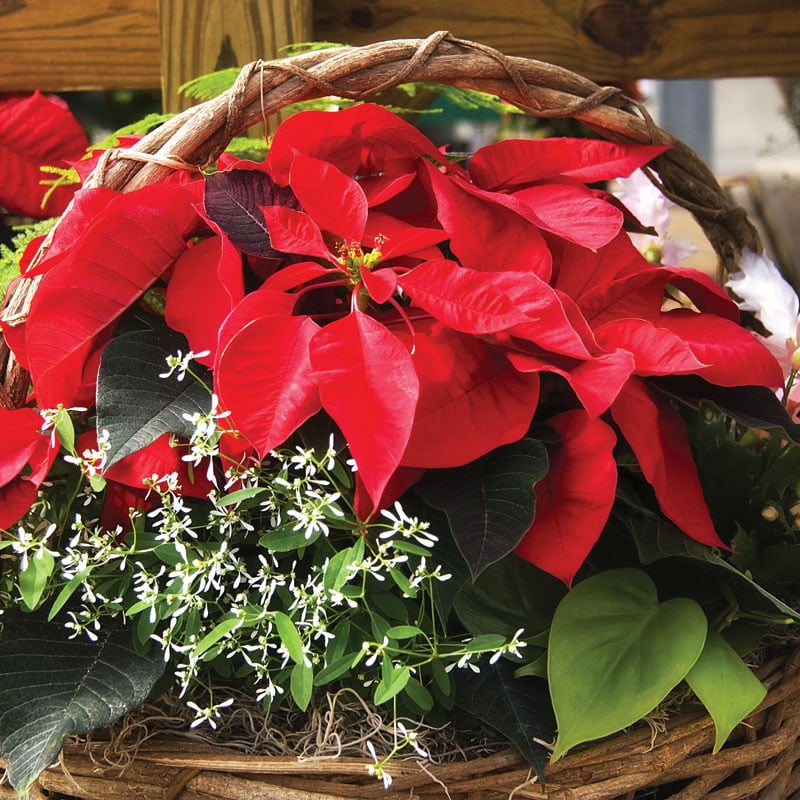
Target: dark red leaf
<point>263,376</point>
<point>574,499</point>
<point>516,162</point>
<point>233,201</point>
<point>655,431</point>
<point>368,385</point>
<point>636,296</point>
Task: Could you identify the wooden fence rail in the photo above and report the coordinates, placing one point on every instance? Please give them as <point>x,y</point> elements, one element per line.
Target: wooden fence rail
<point>60,45</point>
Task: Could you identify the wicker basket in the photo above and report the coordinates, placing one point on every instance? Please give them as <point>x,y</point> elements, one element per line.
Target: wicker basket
<point>759,759</point>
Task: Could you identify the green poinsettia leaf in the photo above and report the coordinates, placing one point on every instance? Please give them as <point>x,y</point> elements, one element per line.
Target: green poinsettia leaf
<point>52,686</point>
<point>509,595</point>
<point>656,538</point>
<point>134,403</point>
<point>615,653</point>
<point>725,686</point>
<point>518,708</point>
<point>490,503</point>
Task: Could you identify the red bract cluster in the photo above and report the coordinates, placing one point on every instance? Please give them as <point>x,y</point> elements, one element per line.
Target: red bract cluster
<point>36,131</point>
<point>433,312</point>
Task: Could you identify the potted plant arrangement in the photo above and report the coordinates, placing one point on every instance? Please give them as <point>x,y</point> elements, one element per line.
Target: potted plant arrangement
<point>362,416</point>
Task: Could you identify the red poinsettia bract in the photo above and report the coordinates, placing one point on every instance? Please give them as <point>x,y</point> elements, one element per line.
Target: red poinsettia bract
<point>35,131</point>
<point>426,308</point>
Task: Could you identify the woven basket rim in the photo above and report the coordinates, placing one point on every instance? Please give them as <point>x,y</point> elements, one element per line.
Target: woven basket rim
<point>758,757</point>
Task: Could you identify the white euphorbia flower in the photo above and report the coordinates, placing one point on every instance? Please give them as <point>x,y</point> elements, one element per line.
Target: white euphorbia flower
<point>646,202</point>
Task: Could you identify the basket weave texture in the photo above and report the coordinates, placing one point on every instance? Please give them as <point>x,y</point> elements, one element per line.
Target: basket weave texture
<point>760,757</point>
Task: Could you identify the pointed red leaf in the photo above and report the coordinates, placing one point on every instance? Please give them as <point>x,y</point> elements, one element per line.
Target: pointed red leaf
<point>578,270</point>
<point>380,188</point>
<point>703,290</point>
<point>656,350</point>
<point>160,458</point>
<point>734,355</point>
<point>596,381</point>
<point>332,199</point>
<point>136,239</point>
<point>574,499</point>
<point>468,300</point>
<point>380,283</point>
<point>636,296</point>
<point>369,387</point>
<point>360,139</point>
<point>20,440</point>
<point>515,162</point>
<point>484,233</point>
<point>294,275</point>
<point>86,208</point>
<point>471,400</point>
<point>22,448</point>
<point>294,232</point>
<point>655,431</point>
<point>402,479</point>
<point>398,238</point>
<point>263,376</point>
<point>572,212</point>
<point>206,284</point>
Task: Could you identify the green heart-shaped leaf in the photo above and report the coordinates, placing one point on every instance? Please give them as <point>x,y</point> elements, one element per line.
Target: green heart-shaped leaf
<point>615,653</point>
<point>726,687</point>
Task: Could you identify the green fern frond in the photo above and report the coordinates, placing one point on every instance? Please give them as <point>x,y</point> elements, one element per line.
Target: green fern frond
<point>204,87</point>
<point>467,99</point>
<point>298,48</point>
<point>140,127</point>
<point>247,148</point>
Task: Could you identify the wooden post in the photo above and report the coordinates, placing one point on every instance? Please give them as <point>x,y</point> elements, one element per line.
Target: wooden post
<point>201,36</point>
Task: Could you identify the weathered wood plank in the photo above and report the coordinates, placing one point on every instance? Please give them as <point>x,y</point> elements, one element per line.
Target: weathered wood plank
<point>603,39</point>
<point>60,45</point>
<point>200,36</point>
<point>57,45</point>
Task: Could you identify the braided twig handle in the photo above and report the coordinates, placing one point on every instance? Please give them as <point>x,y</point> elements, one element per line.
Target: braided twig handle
<point>198,135</point>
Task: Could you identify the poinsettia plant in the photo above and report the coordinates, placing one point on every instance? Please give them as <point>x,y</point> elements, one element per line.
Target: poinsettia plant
<point>363,413</point>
